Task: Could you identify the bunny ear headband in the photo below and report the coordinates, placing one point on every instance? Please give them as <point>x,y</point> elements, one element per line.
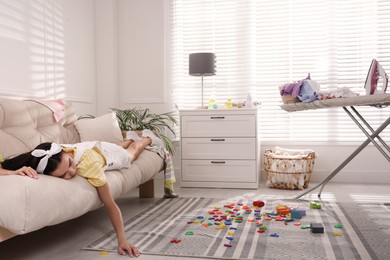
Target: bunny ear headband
<point>54,149</point>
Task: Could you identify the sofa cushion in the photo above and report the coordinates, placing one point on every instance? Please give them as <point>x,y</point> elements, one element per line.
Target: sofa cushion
<point>25,124</point>
<point>102,128</point>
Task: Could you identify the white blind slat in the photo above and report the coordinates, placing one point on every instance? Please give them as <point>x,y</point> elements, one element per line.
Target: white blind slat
<point>260,45</point>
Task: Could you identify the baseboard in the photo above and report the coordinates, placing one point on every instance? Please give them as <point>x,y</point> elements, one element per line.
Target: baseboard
<point>374,177</point>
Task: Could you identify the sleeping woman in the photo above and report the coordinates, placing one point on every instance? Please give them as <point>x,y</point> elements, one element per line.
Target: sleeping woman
<point>88,160</point>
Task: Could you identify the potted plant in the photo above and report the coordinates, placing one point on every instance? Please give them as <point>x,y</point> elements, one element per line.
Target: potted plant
<point>138,119</point>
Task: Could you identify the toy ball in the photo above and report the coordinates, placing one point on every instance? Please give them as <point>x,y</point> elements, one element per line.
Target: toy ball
<point>258,203</point>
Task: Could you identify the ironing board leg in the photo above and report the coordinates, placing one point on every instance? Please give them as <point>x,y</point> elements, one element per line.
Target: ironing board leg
<point>358,150</point>
<point>327,179</point>
<point>367,134</point>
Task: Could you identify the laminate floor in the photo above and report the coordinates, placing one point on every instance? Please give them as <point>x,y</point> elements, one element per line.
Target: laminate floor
<point>64,241</point>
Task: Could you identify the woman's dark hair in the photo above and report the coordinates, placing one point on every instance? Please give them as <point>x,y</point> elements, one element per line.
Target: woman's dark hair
<point>27,159</point>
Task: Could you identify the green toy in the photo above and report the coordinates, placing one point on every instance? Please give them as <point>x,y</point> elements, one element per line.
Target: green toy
<point>315,205</point>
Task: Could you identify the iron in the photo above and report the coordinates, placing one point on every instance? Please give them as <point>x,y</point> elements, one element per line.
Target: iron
<point>373,77</point>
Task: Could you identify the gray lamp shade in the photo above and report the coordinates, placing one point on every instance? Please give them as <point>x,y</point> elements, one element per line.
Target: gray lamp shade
<point>202,64</point>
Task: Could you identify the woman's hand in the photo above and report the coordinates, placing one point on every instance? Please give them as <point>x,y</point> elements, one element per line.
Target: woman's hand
<point>125,247</point>
<point>27,171</point>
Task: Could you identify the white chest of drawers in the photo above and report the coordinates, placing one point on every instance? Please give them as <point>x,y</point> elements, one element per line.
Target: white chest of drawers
<point>219,148</point>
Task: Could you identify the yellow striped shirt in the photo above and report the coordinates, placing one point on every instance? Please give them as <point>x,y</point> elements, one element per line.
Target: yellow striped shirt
<point>91,166</point>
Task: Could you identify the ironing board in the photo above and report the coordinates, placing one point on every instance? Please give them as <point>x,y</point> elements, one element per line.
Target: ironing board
<point>348,104</point>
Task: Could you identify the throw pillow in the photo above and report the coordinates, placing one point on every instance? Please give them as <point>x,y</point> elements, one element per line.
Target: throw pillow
<point>103,128</point>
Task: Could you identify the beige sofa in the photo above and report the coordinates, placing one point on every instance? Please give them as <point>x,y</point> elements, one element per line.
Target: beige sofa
<point>27,204</point>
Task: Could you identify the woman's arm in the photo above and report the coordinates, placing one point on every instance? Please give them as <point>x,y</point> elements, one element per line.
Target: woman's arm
<point>117,221</point>
<point>24,171</point>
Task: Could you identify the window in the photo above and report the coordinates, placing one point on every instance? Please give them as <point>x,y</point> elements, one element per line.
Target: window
<point>261,45</point>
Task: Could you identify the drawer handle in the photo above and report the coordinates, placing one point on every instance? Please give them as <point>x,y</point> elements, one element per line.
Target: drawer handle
<point>218,162</point>
<point>217,117</point>
<point>218,140</point>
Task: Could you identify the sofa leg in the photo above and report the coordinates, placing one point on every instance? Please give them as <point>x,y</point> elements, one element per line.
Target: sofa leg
<point>146,190</point>
<point>5,234</point>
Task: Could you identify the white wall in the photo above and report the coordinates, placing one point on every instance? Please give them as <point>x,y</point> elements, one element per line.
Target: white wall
<point>130,54</point>
<point>98,54</point>
<point>141,44</point>
<point>80,61</point>
<point>106,55</point>
<point>47,51</point>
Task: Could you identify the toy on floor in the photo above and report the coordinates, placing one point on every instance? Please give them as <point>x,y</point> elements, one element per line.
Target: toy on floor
<point>231,216</point>
<point>315,205</point>
<point>258,203</point>
<point>316,228</point>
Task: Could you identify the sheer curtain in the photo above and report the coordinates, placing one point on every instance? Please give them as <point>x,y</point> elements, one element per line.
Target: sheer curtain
<point>260,45</point>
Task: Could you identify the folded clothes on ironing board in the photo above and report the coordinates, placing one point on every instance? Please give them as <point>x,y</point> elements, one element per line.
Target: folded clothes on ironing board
<point>377,100</point>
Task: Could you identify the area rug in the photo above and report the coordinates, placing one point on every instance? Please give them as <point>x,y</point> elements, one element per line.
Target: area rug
<point>236,229</point>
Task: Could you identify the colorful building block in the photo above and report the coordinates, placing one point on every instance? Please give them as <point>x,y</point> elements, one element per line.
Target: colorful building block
<point>298,213</point>
<point>315,205</point>
<point>316,228</point>
<point>282,210</point>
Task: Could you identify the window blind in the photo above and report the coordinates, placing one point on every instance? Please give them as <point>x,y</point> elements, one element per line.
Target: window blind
<point>260,45</point>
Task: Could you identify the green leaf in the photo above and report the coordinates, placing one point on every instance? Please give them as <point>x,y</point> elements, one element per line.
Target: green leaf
<point>138,119</point>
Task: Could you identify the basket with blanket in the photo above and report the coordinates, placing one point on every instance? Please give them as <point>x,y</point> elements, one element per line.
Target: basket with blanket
<point>289,168</point>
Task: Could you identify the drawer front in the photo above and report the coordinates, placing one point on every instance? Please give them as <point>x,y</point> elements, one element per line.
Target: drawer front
<point>219,148</point>
<point>222,171</point>
<point>218,125</point>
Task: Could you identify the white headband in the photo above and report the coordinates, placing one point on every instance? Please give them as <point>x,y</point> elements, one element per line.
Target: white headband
<point>54,149</point>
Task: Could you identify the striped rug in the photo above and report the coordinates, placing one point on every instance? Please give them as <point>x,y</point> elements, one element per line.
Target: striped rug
<point>186,227</point>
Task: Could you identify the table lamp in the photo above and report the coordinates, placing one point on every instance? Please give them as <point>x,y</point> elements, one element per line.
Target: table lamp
<point>202,64</point>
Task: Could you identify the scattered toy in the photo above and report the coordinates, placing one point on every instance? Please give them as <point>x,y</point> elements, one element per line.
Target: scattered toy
<point>316,228</point>
<point>104,253</point>
<point>297,213</point>
<point>315,205</point>
<point>232,214</point>
<point>258,203</point>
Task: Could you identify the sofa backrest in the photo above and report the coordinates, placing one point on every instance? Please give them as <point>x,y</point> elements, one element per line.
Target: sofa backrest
<point>25,123</point>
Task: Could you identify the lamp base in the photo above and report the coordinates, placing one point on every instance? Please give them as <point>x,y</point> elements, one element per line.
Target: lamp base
<point>202,92</point>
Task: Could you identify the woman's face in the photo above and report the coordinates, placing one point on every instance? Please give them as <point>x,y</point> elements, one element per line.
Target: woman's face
<point>66,168</point>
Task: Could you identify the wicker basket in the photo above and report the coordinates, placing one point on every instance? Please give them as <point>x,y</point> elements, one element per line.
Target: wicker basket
<point>288,173</point>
